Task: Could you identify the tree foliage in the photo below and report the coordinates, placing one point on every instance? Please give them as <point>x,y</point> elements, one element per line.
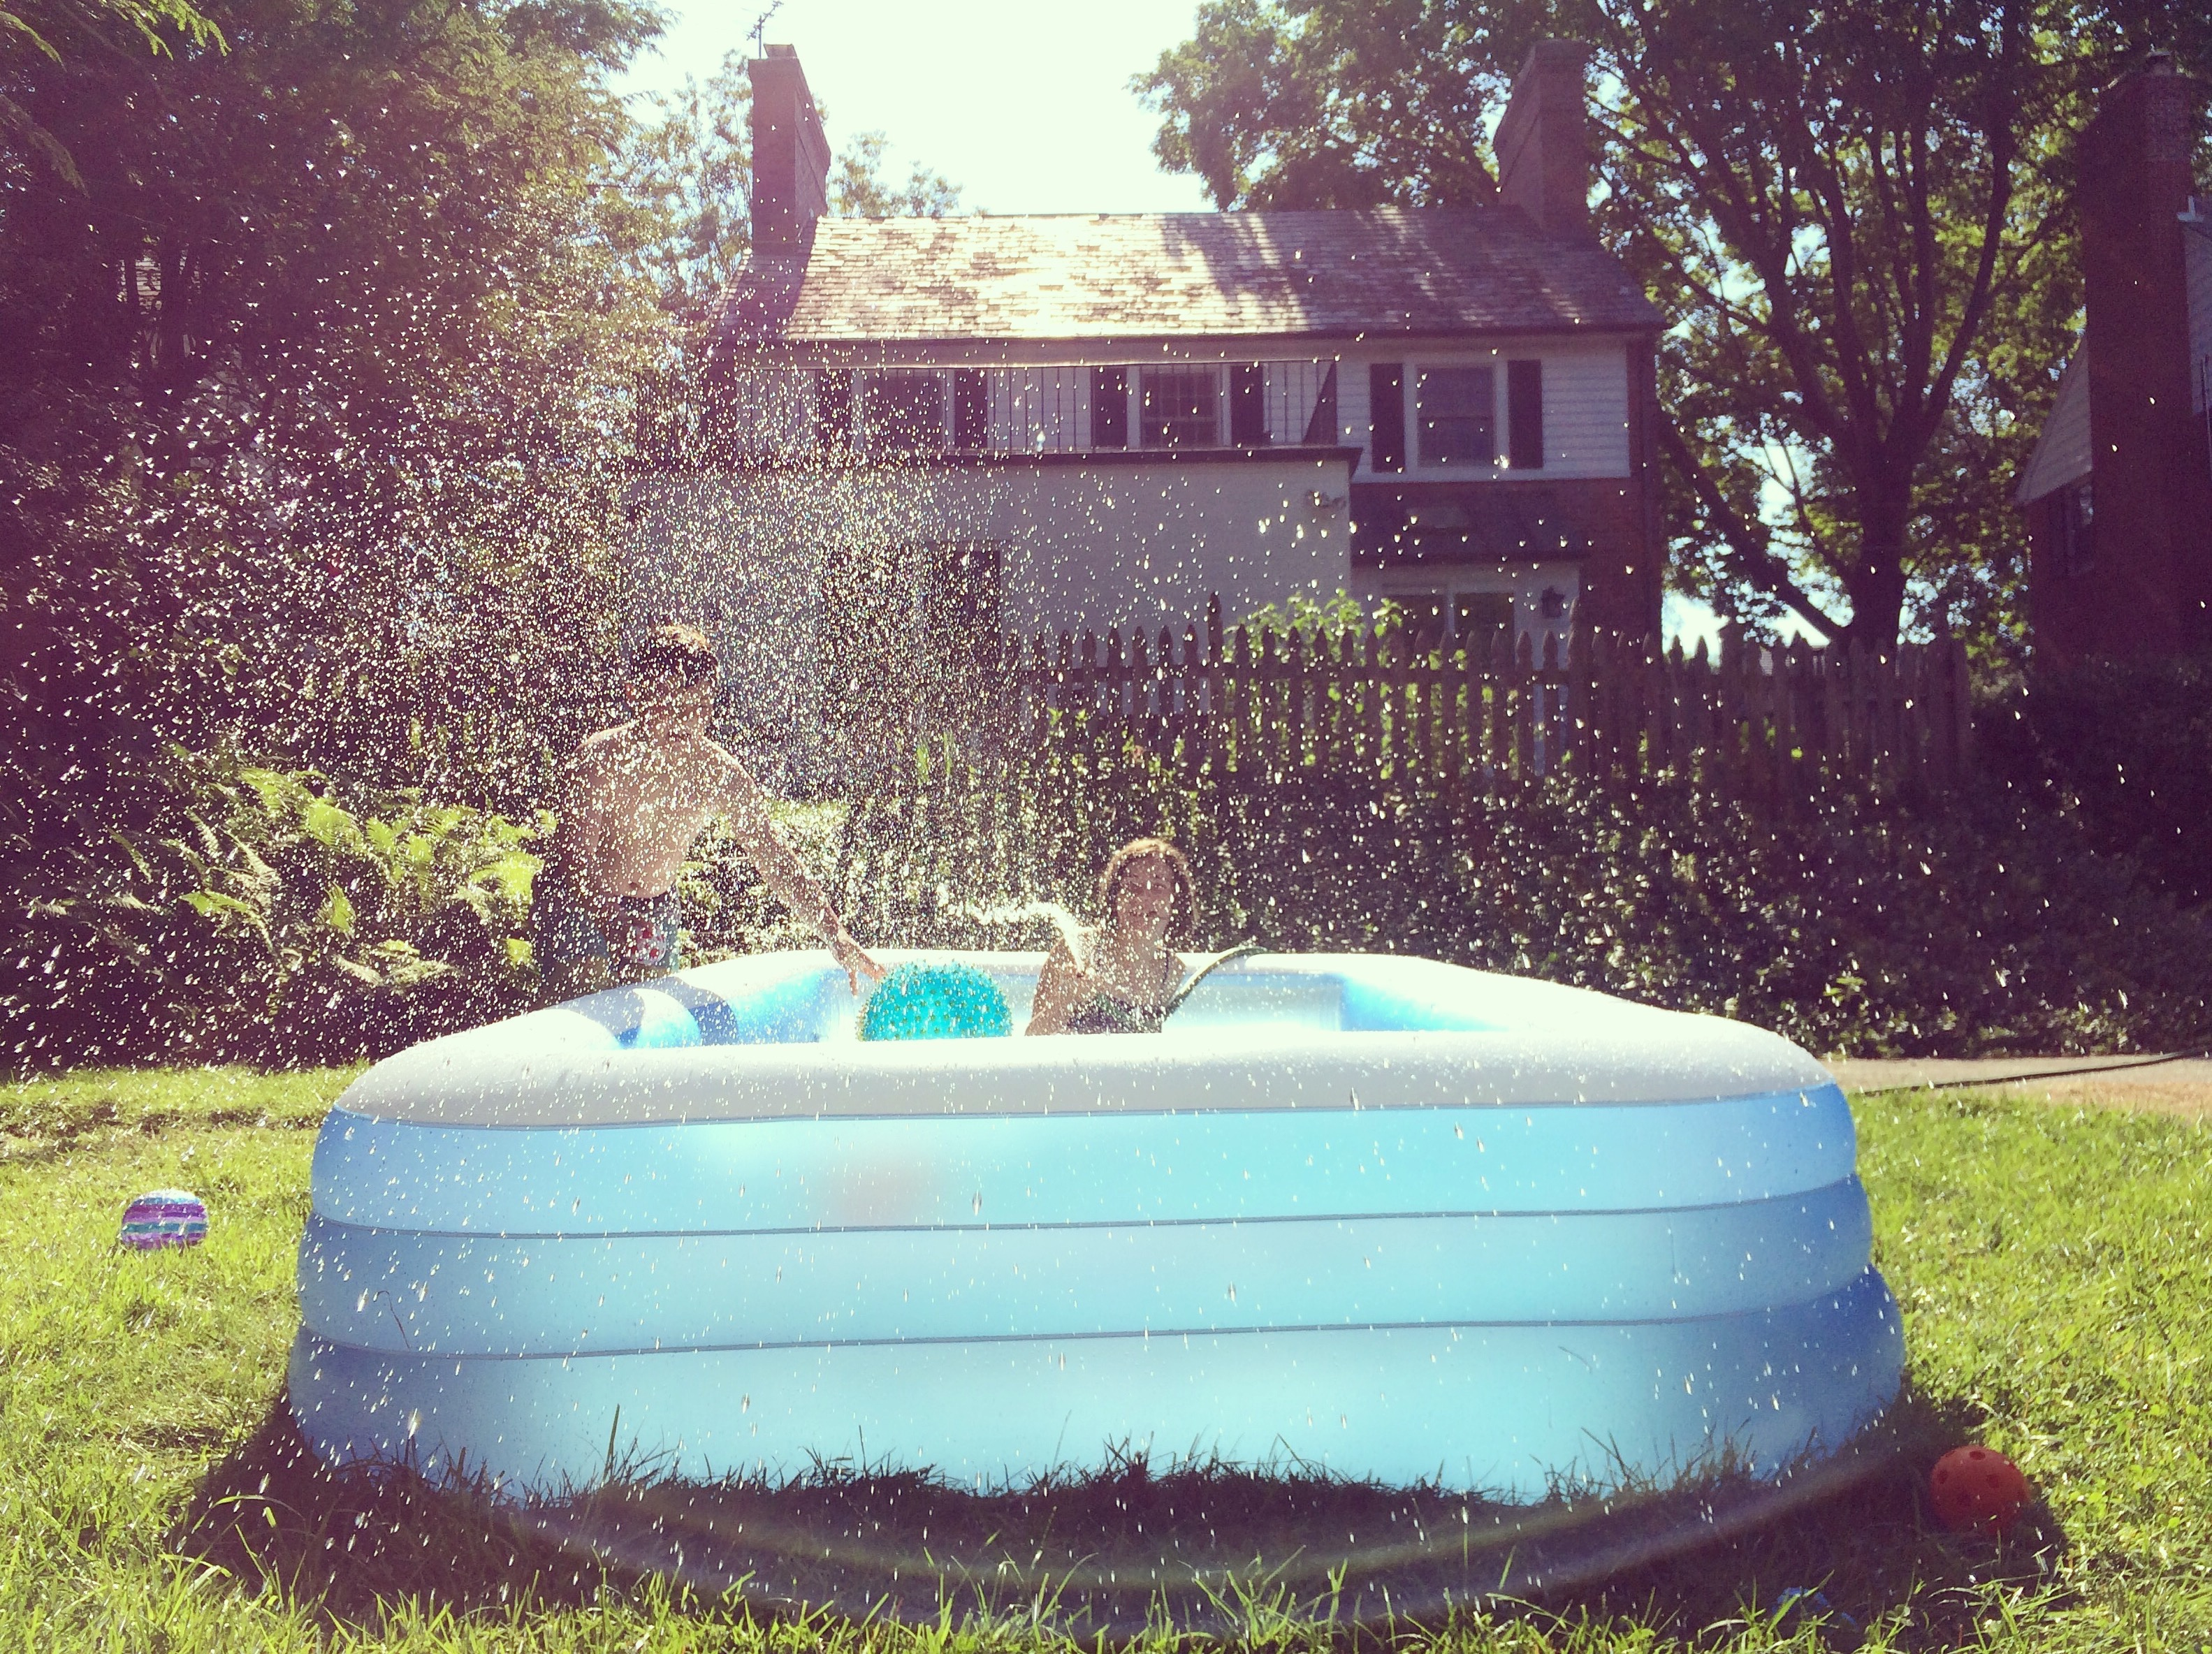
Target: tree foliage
<point>314,399</point>
<point>259,915</point>
<point>323,369</point>
<point>858,188</point>
<point>324,377</point>
<point>1858,214</point>
<point>40,26</point>
<point>1333,104</point>
<point>37,28</point>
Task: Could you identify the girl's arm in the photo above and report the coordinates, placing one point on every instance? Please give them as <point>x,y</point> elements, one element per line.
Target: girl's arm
<point>1060,990</point>
<point>798,889</point>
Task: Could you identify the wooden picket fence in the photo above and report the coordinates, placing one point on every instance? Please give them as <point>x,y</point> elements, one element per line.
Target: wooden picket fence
<point>1764,725</point>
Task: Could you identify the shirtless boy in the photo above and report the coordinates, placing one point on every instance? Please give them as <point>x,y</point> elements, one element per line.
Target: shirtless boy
<point>636,797</point>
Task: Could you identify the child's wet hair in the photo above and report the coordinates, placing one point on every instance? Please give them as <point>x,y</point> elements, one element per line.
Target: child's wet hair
<point>672,650</point>
<point>1178,867</point>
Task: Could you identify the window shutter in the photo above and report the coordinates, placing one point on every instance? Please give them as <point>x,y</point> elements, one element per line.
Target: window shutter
<point>833,409</point>
<point>1524,416</point>
<point>1386,416</point>
<point>1247,406</point>
<point>1110,406</point>
<point>1321,430</point>
<point>971,415</point>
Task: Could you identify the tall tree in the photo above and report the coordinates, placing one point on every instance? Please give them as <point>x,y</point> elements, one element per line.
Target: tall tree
<point>1857,212</point>
<point>313,400</point>
<point>1341,105</point>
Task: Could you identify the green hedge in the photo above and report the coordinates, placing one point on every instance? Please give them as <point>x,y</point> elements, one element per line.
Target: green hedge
<point>1984,925</point>
<point>257,915</point>
<point>2127,747</point>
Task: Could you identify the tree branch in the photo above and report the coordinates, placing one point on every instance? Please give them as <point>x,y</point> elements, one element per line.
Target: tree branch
<point>1759,564</point>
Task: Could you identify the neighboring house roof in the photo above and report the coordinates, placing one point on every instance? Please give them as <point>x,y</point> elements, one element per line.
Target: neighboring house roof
<point>1337,274</point>
<point>2062,452</point>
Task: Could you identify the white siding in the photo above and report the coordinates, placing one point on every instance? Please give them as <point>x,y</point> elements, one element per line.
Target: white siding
<point>1585,414</point>
<point>1144,542</point>
<point>2062,452</point>
<point>1149,544</point>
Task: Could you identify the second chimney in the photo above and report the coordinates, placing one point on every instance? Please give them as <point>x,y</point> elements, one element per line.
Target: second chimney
<point>2152,588</point>
<point>791,154</point>
<point>1543,142</point>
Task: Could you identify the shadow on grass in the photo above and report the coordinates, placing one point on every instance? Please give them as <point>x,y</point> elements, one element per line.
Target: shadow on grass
<point>1200,1546</point>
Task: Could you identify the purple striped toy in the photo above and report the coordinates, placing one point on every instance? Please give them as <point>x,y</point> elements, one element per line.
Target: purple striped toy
<point>168,1217</point>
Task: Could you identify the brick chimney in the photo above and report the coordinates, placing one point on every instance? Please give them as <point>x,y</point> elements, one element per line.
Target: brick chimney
<point>1543,142</point>
<point>2153,506</point>
<point>791,154</point>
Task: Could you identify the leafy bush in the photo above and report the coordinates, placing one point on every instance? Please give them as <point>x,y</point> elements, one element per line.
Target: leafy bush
<point>1983,925</point>
<point>253,914</point>
<point>255,917</point>
<point>2128,746</point>
<point>1332,618</point>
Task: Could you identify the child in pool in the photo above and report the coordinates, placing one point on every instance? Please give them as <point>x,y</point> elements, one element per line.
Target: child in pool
<point>1127,969</point>
<point>634,797</point>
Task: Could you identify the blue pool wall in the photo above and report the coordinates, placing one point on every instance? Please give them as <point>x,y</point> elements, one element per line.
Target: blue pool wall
<point>1508,1234</point>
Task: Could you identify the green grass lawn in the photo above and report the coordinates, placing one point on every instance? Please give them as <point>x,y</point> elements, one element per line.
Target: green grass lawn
<point>2052,1265</point>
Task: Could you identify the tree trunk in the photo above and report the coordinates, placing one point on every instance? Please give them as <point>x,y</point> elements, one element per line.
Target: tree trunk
<point>1875,583</point>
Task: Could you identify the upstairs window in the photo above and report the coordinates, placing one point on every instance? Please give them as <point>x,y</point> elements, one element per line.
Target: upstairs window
<point>1458,418</point>
<point>905,413</point>
<point>1181,408</point>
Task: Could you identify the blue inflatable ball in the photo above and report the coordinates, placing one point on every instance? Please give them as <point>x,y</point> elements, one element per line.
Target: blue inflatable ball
<point>936,1001</point>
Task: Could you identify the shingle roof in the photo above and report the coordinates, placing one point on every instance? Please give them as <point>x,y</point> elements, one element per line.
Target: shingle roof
<point>1383,269</point>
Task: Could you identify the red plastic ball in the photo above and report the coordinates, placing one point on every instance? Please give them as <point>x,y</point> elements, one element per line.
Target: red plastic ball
<point>1980,1488</point>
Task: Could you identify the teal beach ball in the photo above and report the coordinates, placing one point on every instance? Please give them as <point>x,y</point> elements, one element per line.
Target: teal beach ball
<point>936,1001</point>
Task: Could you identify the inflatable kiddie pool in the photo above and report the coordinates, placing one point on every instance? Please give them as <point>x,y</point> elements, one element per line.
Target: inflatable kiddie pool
<point>1398,1219</point>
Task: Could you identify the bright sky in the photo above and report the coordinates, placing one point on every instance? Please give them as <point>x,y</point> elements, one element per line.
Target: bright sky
<point>1025,105</point>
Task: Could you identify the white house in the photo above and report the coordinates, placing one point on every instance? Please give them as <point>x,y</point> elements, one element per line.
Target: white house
<point>927,431</point>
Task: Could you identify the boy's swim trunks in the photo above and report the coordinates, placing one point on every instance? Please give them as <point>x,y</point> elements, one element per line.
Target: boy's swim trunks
<point>573,957</point>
